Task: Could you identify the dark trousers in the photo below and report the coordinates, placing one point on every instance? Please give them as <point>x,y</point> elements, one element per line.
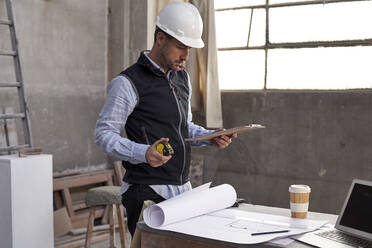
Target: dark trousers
<point>133,199</point>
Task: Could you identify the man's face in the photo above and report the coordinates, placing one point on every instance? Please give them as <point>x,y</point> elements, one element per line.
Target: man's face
<point>174,53</point>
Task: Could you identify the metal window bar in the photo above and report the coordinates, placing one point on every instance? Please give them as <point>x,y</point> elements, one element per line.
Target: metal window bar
<point>24,112</point>
<point>250,27</point>
<point>292,45</point>
<point>267,42</point>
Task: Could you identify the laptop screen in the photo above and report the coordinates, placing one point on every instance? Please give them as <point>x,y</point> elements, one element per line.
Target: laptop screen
<point>358,211</point>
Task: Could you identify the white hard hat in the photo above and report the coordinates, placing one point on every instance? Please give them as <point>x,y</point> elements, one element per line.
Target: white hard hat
<point>183,22</point>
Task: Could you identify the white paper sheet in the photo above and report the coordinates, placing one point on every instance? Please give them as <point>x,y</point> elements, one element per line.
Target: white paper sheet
<point>218,226</point>
<point>282,241</point>
<point>198,201</point>
<point>201,212</point>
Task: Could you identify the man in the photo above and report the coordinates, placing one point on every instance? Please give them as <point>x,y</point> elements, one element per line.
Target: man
<point>151,100</point>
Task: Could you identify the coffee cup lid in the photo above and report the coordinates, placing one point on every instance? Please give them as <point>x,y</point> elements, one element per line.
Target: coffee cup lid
<point>299,188</point>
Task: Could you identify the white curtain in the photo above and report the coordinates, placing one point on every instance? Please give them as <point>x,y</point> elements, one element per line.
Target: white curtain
<point>207,66</point>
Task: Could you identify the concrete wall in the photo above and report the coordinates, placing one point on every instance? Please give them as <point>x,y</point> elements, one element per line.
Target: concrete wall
<point>63,49</point>
<point>322,139</point>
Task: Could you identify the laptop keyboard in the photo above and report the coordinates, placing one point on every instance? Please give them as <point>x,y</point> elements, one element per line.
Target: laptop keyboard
<point>345,239</point>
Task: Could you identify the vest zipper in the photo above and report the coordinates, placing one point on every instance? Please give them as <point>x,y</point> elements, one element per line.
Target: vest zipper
<point>179,129</point>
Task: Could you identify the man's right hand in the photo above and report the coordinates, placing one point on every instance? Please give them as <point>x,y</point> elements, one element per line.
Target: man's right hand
<point>153,157</point>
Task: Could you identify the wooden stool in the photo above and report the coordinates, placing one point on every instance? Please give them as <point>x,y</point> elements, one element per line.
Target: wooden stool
<point>106,195</point>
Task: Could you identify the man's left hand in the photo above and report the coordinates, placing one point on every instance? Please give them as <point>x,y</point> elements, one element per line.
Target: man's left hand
<point>223,141</point>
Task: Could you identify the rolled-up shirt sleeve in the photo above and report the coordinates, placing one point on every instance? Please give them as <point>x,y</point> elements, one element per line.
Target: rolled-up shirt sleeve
<point>121,100</point>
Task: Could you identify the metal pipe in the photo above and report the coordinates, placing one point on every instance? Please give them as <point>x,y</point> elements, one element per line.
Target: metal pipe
<point>309,44</point>
<point>278,5</point>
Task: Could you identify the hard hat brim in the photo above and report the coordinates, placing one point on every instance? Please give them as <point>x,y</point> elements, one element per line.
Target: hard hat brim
<point>190,42</point>
<point>194,43</point>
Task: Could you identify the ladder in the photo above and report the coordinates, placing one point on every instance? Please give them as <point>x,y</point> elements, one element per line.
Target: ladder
<point>24,113</point>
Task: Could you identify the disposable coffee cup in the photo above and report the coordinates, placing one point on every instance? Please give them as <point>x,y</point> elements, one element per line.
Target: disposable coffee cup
<point>299,200</point>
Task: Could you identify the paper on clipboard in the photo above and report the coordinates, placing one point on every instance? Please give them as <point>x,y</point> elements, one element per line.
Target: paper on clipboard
<point>227,132</point>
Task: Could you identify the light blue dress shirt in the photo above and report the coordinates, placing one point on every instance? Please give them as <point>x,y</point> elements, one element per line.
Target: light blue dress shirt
<point>121,100</point>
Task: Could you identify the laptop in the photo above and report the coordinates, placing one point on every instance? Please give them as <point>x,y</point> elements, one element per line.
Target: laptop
<point>354,224</point>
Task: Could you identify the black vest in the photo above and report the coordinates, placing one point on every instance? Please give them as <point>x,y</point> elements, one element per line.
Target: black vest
<point>161,111</point>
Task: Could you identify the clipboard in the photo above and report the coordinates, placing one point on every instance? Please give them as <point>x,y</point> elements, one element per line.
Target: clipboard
<point>226,132</point>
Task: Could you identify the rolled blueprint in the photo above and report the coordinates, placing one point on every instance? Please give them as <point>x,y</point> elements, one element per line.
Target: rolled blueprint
<point>196,202</point>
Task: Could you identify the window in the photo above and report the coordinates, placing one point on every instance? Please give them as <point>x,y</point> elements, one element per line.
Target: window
<point>325,44</point>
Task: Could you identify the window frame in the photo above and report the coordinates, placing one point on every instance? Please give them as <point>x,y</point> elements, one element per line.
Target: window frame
<point>291,45</point>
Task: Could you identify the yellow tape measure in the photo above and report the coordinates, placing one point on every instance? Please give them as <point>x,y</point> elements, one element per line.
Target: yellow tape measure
<point>165,149</point>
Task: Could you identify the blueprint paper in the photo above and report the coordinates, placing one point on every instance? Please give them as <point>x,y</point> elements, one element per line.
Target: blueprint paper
<point>220,226</point>
<point>198,201</point>
<point>202,212</point>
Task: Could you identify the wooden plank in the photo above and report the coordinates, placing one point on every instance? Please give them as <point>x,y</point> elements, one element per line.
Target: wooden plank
<point>121,222</point>
<point>80,243</point>
<point>68,201</point>
<point>112,226</point>
<point>119,173</point>
<point>81,223</point>
<point>90,227</point>
<point>82,179</point>
<point>62,222</point>
<point>84,213</point>
<point>80,219</point>
<point>24,152</point>
<point>69,238</point>
<point>105,216</point>
<point>65,174</point>
<point>79,231</point>
<point>99,228</point>
<point>58,201</point>
<point>79,206</point>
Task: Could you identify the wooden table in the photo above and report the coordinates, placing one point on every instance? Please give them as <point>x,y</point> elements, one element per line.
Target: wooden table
<point>153,238</point>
